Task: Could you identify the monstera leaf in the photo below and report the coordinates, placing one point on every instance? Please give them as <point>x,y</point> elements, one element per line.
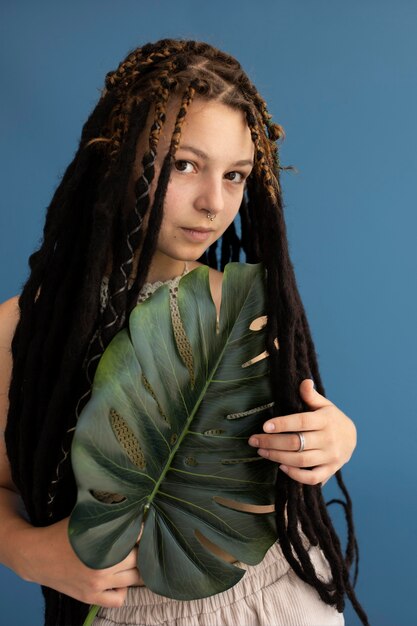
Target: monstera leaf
<point>161,447</point>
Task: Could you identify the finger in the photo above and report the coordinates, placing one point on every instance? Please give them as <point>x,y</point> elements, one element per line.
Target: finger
<point>111,598</point>
<point>311,397</point>
<point>310,420</point>
<point>314,476</point>
<point>126,578</point>
<point>128,563</point>
<point>310,458</point>
<point>313,440</point>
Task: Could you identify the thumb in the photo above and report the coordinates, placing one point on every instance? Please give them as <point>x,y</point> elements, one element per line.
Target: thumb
<point>310,396</point>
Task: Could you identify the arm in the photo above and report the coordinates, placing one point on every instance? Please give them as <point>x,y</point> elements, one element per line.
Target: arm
<point>44,555</point>
<point>329,435</point>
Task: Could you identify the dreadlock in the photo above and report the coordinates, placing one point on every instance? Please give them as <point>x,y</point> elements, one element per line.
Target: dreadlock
<point>94,229</point>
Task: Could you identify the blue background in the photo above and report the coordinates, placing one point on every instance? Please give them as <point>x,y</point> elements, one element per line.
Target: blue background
<point>341,78</point>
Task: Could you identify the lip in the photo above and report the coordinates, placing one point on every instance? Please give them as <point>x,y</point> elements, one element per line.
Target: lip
<point>197,234</point>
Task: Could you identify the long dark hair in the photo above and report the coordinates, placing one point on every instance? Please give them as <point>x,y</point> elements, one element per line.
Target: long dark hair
<point>94,223</point>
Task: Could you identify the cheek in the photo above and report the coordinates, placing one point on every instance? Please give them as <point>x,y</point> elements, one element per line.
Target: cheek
<point>174,200</point>
<point>233,206</point>
<point>232,209</point>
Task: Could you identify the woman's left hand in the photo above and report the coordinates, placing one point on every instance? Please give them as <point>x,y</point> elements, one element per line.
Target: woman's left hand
<point>329,439</point>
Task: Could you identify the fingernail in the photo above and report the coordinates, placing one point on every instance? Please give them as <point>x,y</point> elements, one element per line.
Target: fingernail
<point>284,468</point>
<point>263,453</point>
<point>253,441</point>
<point>269,427</point>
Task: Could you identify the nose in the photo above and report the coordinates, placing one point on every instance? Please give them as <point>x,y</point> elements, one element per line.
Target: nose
<point>210,196</point>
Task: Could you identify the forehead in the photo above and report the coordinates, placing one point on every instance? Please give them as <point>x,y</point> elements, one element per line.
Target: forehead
<point>214,127</point>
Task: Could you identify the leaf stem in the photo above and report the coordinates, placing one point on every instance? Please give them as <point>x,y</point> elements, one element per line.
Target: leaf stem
<point>94,608</point>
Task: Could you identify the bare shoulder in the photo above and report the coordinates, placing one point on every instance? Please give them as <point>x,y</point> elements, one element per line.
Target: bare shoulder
<point>9,316</point>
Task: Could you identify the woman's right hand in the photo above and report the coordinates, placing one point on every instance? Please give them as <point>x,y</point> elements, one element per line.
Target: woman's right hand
<point>47,558</point>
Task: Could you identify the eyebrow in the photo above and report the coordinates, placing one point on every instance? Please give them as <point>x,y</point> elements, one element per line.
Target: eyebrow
<point>205,156</point>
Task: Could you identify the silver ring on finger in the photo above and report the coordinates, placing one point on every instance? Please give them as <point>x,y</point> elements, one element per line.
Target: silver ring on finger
<point>302,442</point>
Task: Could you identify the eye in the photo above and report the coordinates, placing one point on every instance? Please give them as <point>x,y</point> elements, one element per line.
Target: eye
<point>235,177</point>
<point>183,166</point>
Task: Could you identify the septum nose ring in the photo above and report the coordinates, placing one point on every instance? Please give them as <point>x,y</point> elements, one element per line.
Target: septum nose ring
<point>210,216</point>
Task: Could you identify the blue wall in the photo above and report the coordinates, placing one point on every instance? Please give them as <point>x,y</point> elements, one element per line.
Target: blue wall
<point>342,79</point>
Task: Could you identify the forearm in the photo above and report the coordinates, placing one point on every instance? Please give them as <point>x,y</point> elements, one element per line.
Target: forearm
<point>44,555</point>
<point>15,532</point>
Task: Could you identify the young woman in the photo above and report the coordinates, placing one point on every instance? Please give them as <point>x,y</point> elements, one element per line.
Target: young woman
<point>179,145</point>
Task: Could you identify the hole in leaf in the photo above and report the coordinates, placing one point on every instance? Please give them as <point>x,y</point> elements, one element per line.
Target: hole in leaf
<point>174,439</point>
<point>214,431</point>
<point>127,439</point>
<point>107,497</point>
<point>255,359</point>
<point>257,409</point>
<point>244,506</point>
<point>150,390</point>
<point>183,343</point>
<point>213,548</point>
<point>258,323</point>
<point>261,356</point>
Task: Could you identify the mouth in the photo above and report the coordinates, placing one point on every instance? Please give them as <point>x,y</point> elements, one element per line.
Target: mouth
<point>197,234</point>
<point>199,229</point>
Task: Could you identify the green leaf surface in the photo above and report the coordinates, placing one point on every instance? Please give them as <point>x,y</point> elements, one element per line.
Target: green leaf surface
<point>161,447</point>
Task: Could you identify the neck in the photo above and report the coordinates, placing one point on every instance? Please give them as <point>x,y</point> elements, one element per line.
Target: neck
<point>164,268</point>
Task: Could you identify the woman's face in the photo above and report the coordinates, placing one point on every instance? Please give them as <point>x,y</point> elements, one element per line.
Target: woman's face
<point>212,163</point>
